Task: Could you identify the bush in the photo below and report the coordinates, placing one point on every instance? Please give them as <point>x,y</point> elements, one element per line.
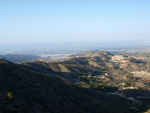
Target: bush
<point>10,95</point>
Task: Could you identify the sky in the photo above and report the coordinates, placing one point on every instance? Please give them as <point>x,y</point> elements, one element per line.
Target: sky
<point>40,21</point>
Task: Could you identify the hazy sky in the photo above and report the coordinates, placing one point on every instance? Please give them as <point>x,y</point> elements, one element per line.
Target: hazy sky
<point>34,21</point>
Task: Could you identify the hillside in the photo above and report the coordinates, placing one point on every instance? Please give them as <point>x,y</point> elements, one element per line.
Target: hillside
<point>101,65</point>
<point>37,92</point>
<point>83,83</point>
<point>97,64</point>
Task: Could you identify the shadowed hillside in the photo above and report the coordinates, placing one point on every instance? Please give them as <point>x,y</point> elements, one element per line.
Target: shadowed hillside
<point>36,92</point>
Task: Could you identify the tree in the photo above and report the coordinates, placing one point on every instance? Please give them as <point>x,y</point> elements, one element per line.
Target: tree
<point>90,81</point>
<point>132,85</point>
<point>96,86</point>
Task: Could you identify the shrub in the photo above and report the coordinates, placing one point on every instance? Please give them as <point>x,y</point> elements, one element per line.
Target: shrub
<point>10,95</point>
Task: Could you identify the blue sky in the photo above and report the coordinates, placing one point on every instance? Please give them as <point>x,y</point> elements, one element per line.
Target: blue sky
<point>36,21</point>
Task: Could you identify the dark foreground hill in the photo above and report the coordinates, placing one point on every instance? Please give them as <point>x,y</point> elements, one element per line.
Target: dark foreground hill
<point>34,92</point>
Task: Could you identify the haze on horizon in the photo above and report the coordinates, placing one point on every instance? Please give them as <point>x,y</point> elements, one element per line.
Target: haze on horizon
<point>40,21</point>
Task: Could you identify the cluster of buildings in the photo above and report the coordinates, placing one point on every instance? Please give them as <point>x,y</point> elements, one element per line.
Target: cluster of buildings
<point>117,58</point>
<point>121,59</point>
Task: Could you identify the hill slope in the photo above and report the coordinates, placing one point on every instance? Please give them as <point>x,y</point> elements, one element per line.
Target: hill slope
<point>36,92</point>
